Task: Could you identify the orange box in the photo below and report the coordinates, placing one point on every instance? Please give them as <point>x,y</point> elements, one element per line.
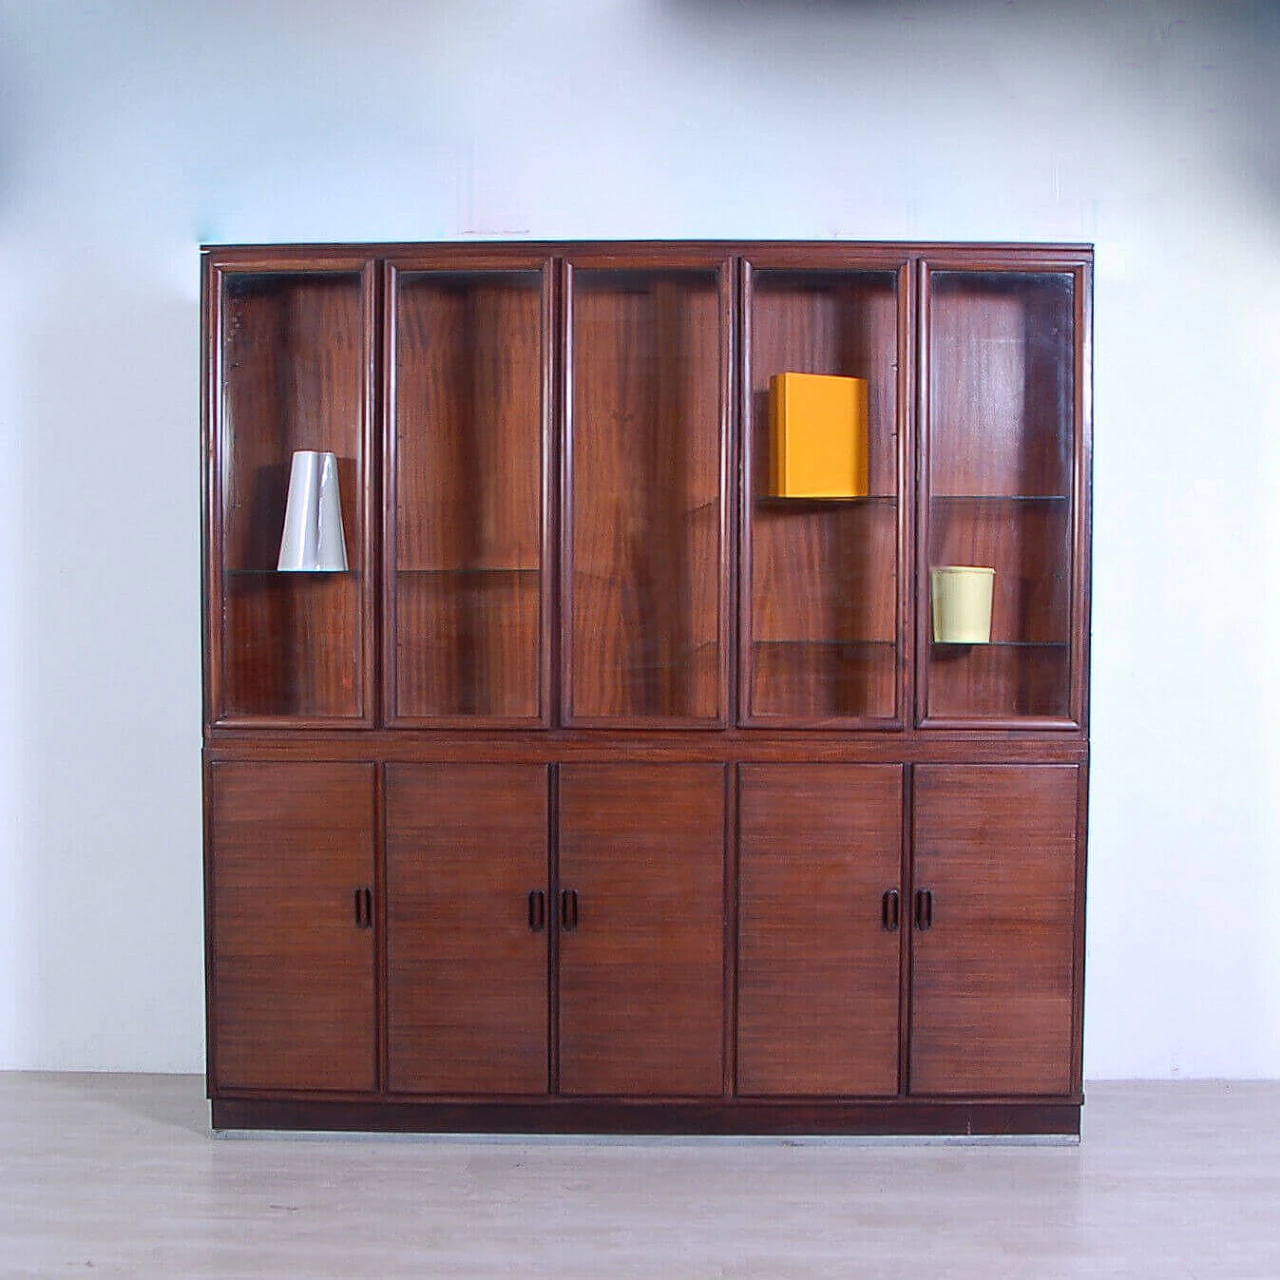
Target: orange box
<point>818,424</point>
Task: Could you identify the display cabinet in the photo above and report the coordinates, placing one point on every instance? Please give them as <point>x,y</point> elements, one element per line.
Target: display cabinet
<point>690,731</point>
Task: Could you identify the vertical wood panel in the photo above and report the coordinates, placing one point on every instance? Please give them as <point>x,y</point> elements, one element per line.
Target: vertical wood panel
<point>993,979</point>
<point>292,976</point>
<point>818,973</point>
<point>641,977</point>
<point>467,977</point>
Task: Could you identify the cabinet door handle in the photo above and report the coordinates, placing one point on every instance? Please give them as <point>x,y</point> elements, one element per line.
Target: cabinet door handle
<point>568,910</point>
<point>889,911</point>
<point>364,908</point>
<point>924,909</point>
<point>537,911</point>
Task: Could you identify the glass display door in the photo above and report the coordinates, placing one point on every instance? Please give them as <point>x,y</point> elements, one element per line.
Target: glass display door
<point>470,407</point>
<point>825,424</point>
<point>998,571</point>
<point>291,435</point>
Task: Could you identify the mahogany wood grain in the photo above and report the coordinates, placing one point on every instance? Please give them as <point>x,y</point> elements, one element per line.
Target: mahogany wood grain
<point>818,971</point>
<point>466,972</point>
<point>992,978</point>
<point>647,359</point>
<point>641,975</point>
<point>470,408</point>
<point>295,351</point>
<point>292,971</point>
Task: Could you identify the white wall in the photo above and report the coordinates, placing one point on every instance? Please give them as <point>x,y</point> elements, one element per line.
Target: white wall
<point>130,132</point>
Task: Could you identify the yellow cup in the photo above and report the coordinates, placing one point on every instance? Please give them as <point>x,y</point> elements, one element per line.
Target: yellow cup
<point>962,604</point>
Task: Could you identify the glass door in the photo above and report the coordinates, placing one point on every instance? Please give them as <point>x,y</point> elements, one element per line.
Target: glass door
<point>826,372</point>
<point>1000,602</point>
<point>470,404</point>
<point>645,575</point>
<point>290,413</point>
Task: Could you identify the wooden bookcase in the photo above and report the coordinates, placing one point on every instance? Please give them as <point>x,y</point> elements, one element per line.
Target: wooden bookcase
<point>605,790</point>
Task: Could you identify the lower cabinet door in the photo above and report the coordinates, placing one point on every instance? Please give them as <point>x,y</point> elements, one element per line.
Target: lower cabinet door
<point>641,868</point>
<point>467,924</point>
<point>819,919</point>
<point>291,864</point>
<point>994,920</point>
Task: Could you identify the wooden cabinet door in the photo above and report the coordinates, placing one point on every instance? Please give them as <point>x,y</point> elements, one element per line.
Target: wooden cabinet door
<point>642,941</point>
<point>820,865</point>
<point>994,951</point>
<point>467,926</point>
<point>292,941</point>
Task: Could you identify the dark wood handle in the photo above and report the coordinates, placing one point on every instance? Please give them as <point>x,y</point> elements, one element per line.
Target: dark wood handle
<point>924,909</point>
<point>889,911</point>
<point>568,910</point>
<point>537,910</point>
<point>364,908</point>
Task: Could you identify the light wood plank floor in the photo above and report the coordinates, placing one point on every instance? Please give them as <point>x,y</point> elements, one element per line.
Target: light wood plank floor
<point>119,1176</point>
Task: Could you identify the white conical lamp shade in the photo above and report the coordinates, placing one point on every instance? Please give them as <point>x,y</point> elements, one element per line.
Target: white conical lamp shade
<point>313,540</point>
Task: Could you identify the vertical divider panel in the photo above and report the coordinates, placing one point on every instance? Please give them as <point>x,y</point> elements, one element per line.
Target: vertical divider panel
<point>381,917</point>
<point>553,928</point>
<point>906,928</point>
<point>730,1004</point>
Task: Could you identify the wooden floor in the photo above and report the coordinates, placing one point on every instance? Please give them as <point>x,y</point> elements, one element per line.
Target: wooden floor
<point>119,1176</point>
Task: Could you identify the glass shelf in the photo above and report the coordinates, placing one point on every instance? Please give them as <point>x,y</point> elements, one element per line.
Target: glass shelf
<point>1001,497</point>
<point>479,572</point>
<point>826,644</point>
<point>772,502</point>
<point>1000,644</point>
<point>292,573</point>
